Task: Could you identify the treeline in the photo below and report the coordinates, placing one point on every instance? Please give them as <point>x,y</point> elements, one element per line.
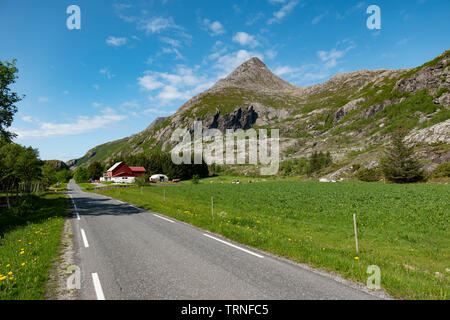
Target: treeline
<point>159,162</point>
<point>21,170</point>
<point>307,166</point>
<point>155,162</point>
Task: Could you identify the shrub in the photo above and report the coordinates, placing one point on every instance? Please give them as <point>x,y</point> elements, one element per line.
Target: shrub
<point>195,179</point>
<point>442,171</point>
<point>143,180</point>
<point>369,175</point>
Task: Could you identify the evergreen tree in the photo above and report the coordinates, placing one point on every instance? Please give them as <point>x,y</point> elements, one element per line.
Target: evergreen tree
<point>399,164</point>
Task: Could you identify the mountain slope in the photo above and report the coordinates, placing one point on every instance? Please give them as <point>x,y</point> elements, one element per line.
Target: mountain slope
<point>351,115</point>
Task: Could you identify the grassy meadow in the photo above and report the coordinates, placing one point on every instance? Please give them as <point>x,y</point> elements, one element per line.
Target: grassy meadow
<point>29,244</point>
<point>403,229</point>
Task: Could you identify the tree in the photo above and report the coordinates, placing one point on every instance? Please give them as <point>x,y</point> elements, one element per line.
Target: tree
<point>95,170</point>
<point>48,176</point>
<point>8,99</point>
<point>399,164</point>
<point>19,168</point>
<point>64,176</point>
<point>81,175</point>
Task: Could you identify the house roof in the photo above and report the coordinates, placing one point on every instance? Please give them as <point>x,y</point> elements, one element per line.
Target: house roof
<point>138,169</point>
<point>114,167</point>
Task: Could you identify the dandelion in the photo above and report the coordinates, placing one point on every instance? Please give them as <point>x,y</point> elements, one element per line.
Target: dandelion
<point>356,258</point>
<point>11,278</point>
<point>23,264</point>
<point>2,278</point>
<point>22,252</point>
<point>8,265</point>
<point>10,273</point>
<point>20,240</point>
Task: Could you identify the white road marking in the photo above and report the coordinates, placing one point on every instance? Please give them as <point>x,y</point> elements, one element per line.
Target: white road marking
<point>158,216</point>
<point>98,287</point>
<point>78,216</point>
<point>234,246</point>
<point>83,235</point>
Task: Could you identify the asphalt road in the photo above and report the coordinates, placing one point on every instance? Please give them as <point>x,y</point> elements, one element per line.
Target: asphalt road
<point>128,253</point>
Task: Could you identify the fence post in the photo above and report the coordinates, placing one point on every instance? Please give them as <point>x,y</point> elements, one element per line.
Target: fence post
<point>356,233</point>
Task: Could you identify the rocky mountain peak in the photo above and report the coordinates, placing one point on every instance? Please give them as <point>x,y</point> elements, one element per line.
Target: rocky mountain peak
<point>254,75</point>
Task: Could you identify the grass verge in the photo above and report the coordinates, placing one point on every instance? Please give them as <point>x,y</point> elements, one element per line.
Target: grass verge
<point>29,243</point>
<point>403,229</point>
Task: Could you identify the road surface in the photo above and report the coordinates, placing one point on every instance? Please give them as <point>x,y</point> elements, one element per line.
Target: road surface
<point>128,253</point>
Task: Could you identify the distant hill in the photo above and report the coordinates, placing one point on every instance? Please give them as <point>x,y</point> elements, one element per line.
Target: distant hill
<point>57,164</point>
<point>351,115</point>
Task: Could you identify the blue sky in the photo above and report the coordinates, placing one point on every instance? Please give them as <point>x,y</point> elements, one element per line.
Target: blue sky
<point>133,61</point>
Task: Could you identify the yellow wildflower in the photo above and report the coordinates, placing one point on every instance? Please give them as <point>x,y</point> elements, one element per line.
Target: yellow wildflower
<point>23,264</point>
<point>8,265</point>
<point>356,258</point>
<point>2,278</point>
<point>10,273</point>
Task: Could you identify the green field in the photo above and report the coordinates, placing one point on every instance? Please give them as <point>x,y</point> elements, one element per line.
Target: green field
<point>29,244</point>
<point>403,229</point>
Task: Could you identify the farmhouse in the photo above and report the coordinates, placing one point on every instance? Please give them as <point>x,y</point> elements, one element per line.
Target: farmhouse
<point>121,173</point>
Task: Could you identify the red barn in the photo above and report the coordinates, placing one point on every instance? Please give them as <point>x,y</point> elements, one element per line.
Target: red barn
<point>120,172</point>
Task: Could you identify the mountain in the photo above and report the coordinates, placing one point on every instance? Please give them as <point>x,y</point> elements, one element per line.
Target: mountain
<point>351,115</point>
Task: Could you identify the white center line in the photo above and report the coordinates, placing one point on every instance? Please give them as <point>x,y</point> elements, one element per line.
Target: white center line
<point>98,287</point>
<point>234,246</point>
<point>83,235</point>
<point>158,216</point>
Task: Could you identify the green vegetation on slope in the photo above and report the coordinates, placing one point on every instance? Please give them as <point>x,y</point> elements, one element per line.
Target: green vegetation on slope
<point>29,244</point>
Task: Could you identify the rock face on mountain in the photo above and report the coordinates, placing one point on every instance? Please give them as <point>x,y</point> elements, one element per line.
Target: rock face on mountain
<point>350,114</point>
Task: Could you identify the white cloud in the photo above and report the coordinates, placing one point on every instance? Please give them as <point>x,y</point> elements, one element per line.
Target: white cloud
<point>173,42</point>
<point>82,125</point>
<point>97,104</point>
<point>130,104</point>
<point>96,86</point>
<point>182,84</point>
<point>43,99</point>
<point>245,39</point>
<point>283,12</point>
<point>318,18</point>
<point>331,57</point>
<point>157,25</point>
<point>215,28</point>
<point>149,83</point>
<point>27,119</point>
<point>285,70</point>
<point>107,72</point>
<point>231,61</point>
<point>116,42</point>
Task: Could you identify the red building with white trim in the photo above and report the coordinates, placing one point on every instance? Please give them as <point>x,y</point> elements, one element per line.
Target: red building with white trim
<point>122,173</point>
